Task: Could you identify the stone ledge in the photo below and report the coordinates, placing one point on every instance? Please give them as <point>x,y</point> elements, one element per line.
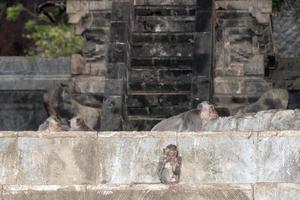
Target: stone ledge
<point>260,191</point>
<point>141,134</point>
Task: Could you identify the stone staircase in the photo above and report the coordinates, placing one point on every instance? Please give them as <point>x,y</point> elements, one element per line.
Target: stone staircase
<point>161,70</point>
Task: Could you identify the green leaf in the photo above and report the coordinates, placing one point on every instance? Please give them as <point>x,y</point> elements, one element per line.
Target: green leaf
<point>13,12</point>
<point>30,25</point>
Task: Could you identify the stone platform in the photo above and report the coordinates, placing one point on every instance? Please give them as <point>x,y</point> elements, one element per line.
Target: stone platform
<point>122,165</point>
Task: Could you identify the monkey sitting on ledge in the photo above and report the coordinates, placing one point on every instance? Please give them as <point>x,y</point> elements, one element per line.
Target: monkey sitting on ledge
<point>169,165</point>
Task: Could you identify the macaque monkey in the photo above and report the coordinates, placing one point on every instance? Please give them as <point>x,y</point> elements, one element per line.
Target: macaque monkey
<point>169,165</point>
<point>53,125</point>
<point>78,124</point>
<point>192,120</point>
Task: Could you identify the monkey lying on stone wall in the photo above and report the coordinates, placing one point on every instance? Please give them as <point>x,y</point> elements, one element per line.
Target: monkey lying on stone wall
<point>205,118</point>
<point>192,120</point>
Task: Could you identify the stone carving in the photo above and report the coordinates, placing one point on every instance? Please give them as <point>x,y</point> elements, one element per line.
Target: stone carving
<point>169,165</point>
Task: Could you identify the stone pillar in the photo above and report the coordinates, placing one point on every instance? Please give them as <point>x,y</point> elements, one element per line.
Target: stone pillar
<point>91,19</point>
<point>203,54</point>
<point>242,45</point>
<point>118,59</point>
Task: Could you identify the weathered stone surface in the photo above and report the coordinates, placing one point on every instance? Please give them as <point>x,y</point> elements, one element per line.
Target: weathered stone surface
<point>135,192</point>
<point>34,66</point>
<point>89,84</point>
<point>279,159</point>
<point>79,65</point>
<point>98,69</point>
<point>163,192</point>
<point>63,161</point>
<point>286,33</point>
<point>255,66</point>
<point>46,192</point>
<point>136,161</point>
<point>9,160</point>
<point>74,158</point>
<point>272,99</point>
<point>276,191</point>
<point>90,115</point>
<point>229,85</point>
<point>21,110</point>
<point>261,121</point>
<point>33,73</point>
<point>218,159</point>
<point>164,2</point>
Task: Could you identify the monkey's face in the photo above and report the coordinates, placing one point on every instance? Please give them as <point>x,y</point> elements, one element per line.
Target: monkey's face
<point>172,153</point>
<point>209,113</point>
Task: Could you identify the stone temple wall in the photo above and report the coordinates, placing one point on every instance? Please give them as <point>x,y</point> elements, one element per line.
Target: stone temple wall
<point>92,20</point>
<point>243,42</point>
<point>122,165</point>
<point>23,82</point>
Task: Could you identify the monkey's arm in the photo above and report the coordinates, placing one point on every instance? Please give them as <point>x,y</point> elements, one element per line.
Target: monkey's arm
<point>178,166</point>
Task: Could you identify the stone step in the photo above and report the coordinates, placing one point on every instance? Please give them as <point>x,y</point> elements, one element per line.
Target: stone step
<point>164,24</point>
<point>161,61</point>
<point>157,93</point>
<point>164,2</point>
<point>160,76</point>
<point>177,87</point>
<point>162,50</point>
<point>142,123</point>
<point>260,191</point>
<point>182,10</point>
<point>138,38</point>
<point>229,14</point>
<point>141,101</point>
<point>157,111</point>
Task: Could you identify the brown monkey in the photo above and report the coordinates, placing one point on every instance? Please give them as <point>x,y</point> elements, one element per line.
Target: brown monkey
<point>169,165</point>
<point>53,125</point>
<point>78,124</point>
<point>192,120</point>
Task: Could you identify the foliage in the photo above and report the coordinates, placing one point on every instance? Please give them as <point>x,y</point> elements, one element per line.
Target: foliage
<point>13,12</point>
<point>49,39</point>
<point>277,4</point>
<point>53,41</point>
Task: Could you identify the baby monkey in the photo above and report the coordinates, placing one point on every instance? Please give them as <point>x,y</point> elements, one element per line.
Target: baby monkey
<point>169,165</point>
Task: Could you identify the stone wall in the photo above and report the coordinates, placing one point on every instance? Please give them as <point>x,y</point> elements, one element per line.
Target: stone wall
<point>32,158</point>
<point>243,43</point>
<point>92,20</point>
<point>111,165</point>
<point>23,82</point>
